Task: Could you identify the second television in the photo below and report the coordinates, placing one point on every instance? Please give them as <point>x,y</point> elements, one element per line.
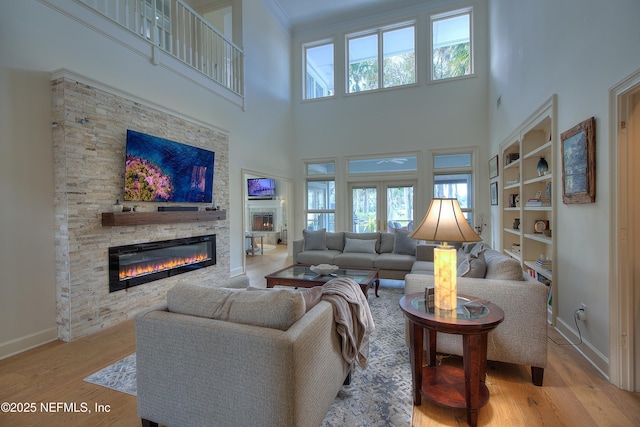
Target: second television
<point>261,188</point>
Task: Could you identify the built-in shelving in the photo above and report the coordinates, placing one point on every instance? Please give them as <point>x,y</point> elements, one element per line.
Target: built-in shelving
<point>521,182</point>
<point>117,219</point>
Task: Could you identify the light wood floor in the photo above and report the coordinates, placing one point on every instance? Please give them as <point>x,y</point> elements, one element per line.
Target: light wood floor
<point>574,393</point>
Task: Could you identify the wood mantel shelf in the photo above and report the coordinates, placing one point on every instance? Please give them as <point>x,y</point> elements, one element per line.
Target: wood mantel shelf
<point>115,219</point>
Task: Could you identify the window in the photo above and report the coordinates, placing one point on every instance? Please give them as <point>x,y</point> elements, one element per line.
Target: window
<point>384,165</point>
<point>156,17</point>
<point>451,47</point>
<point>393,47</point>
<point>453,178</point>
<point>321,196</point>
<point>319,71</point>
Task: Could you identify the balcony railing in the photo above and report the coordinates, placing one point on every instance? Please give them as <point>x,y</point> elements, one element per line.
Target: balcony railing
<point>178,30</point>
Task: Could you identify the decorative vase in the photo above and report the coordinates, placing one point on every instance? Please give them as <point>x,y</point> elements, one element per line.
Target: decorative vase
<point>543,166</point>
<point>118,207</point>
<point>516,224</point>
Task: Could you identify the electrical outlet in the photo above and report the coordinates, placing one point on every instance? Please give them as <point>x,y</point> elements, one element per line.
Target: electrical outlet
<point>582,312</point>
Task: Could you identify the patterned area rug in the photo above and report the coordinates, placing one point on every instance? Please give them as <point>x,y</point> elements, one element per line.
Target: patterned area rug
<point>378,396</point>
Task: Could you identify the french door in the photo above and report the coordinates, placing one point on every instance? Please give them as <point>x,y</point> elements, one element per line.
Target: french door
<point>382,206</point>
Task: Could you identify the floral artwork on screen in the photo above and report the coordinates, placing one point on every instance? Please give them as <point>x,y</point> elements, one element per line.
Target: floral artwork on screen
<point>160,170</point>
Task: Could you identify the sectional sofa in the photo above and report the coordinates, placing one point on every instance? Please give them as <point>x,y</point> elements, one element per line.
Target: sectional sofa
<point>393,254</point>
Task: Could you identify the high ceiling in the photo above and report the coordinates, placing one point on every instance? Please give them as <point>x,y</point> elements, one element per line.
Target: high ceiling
<point>300,12</point>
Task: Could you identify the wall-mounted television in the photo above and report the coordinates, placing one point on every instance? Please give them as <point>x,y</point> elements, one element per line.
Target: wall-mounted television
<point>261,188</point>
<point>160,170</point>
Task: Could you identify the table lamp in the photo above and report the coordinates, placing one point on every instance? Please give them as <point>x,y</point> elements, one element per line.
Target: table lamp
<point>445,222</point>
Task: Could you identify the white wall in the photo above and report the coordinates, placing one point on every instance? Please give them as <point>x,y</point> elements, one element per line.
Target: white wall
<point>428,116</point>
<point>35,39</point>
<point>577,49</point>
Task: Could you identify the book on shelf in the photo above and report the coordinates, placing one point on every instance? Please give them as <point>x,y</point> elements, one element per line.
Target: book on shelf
<point>545,264</point>
<point>538,202</point>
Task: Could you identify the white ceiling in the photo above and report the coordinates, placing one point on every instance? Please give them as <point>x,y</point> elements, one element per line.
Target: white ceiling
<point>300,12</point>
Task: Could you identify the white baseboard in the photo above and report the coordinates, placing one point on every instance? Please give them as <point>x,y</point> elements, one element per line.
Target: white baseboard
<point>19,345</point>
<point>590,353</point>
<point>236,272</point>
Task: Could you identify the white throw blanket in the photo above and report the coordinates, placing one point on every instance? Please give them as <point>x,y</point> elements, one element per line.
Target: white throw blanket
<point>353,318</point>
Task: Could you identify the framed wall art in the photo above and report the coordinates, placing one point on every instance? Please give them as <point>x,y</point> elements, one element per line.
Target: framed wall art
<point>493,167</point>
<point>493,191</point>
<point>579,163</point>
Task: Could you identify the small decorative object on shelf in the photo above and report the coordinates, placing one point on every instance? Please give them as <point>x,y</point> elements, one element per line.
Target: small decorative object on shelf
<point>540,226</point>
<point>511,157</point>
<point>118,207</point>
<point>543,166</point>
<point>516,224</point>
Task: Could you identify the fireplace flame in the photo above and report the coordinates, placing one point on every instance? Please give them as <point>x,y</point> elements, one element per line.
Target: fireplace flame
<point>127,272</point>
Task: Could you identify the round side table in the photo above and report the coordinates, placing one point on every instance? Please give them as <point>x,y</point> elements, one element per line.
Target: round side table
<point>448,385</point>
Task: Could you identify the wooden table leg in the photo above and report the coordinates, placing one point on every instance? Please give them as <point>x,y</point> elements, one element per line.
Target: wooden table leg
<point>416,339</point>
<point>474,372</point>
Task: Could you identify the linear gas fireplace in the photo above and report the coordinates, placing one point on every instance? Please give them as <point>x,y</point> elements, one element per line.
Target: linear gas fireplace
<point>133,265</point>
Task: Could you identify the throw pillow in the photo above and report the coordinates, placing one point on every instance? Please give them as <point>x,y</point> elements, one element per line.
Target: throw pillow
<point>314,240</point>
<point>479,248</point>
<point>360,245</point>
<point>404,244</point>
<point>472,266</point>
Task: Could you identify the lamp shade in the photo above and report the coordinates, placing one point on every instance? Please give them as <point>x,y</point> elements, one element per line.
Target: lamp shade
<point>445,222</point>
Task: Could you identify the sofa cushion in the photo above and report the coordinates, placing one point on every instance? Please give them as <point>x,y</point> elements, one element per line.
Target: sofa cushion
<point>360,245</point>
<point>238,305</point>
<point>355,259</point>
<point>387,240</point>
<point>472,266</point>
<point>311,296</point>
<point>404,244</point>
<point>501,267</point>
<point>335,240</point>
<point>422,267</point>
<point>317,257</point>
<point>394,262</point>
<point>315,239</point>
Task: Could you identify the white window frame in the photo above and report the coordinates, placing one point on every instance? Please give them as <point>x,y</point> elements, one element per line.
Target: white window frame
<point>319,177</point>
<point>447,15</point>
<point>473,210</point>
<point>379,31</point>
<point>315,75</point>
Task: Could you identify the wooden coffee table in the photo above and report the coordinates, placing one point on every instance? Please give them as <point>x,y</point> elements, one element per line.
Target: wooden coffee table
<point>448,385</point>
<point>301,276</point>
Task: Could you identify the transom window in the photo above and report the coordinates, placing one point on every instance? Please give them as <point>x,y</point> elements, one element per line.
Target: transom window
<point>451,47</point>
<point>392,49</point>
<point>319,70</point>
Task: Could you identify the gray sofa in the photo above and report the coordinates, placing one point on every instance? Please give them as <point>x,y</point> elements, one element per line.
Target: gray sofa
<point>393,254</point>
<point>522,337</point>
<point>209,358</point>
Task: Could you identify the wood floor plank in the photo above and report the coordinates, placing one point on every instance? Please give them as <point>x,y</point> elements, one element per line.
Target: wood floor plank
<point>574,392</point>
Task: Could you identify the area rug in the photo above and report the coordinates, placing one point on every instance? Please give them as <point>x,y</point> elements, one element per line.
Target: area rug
<point>378,396</point>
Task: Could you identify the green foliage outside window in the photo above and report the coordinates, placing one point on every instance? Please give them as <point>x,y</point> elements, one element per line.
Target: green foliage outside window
<point>452,61</point>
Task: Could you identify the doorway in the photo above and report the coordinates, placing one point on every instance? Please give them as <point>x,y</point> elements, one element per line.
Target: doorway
<point>266,213</point>
<point>382,206</point>
<point>625,286</point>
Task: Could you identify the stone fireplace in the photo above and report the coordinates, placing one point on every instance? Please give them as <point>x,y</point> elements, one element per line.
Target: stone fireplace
<point>89,138</point>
